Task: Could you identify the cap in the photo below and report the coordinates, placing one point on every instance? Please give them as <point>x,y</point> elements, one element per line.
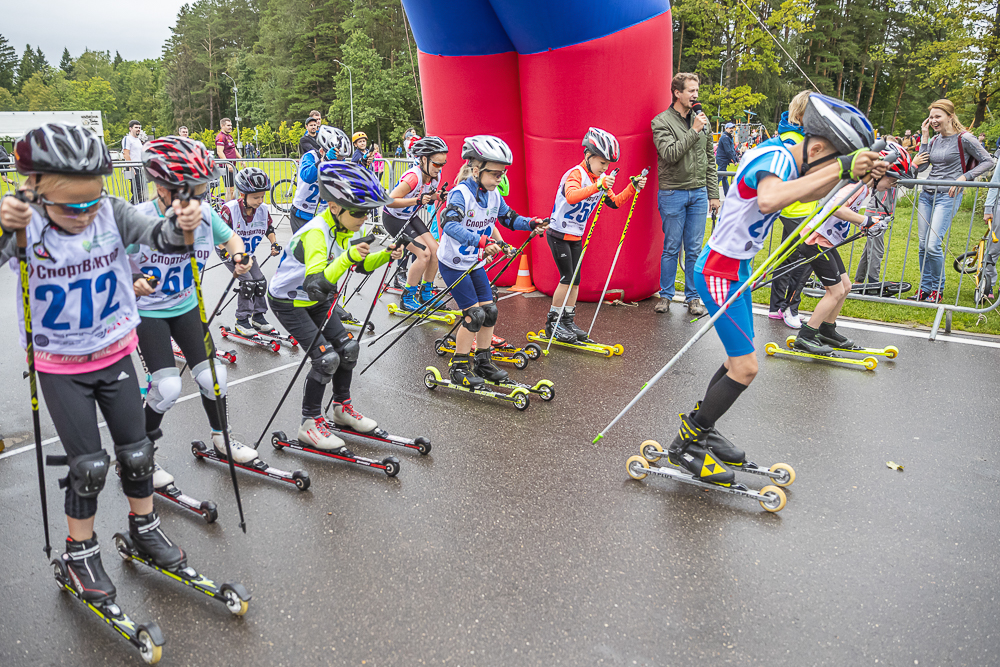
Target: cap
<point>730,125</point>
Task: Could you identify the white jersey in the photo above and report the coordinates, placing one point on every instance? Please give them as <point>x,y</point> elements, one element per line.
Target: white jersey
<point>251,232</point>
<point>478,219</point>
<point>422,189</point>
<point>742,227</point>
<point>307,197</point>
<point>173,272</point>
<point>287,281</point>
<point>80,286</point>
<point>572,218</point>
<point>835,229</point>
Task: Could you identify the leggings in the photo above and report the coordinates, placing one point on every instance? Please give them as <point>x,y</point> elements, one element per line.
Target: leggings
<point>71,400</point>
<point>567,256</point>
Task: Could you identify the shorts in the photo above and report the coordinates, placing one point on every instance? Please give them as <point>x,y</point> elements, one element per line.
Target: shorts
<point>829,266</point>
<point>735,327</point>
<point>474,288</point>
<point>567,256</point>
<point>228,175</point>
<point>414,226</point>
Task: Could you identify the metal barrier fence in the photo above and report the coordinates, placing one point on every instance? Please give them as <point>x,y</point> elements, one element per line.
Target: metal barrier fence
<point>967,295</point>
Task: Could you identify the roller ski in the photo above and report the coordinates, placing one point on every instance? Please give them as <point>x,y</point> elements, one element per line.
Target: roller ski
<point>462,378</point>
<point>483,367</point>
<point>349,320</point>
<point>146,544</point>
<point>217,454</point>
<point>590,346</point>
<point>502,352</point>
<point>810,348</point>
<point>316,436</point>
<point>225,355</point>
<point>446,316</point>
<point>889,352</point>
<point>249,335</point>
<point>421,444</point>
<point>781,474</point>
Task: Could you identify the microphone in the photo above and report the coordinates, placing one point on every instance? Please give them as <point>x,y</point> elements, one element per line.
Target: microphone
<point>696,107</point>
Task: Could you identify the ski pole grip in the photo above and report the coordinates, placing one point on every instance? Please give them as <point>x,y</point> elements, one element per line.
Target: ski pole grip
<point>878,145</point>
<point>364,239</point>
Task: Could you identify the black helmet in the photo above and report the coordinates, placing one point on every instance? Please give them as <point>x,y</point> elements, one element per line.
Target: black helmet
<point>428,146</point>
<point>62,148</point>
<point>838,122</point>
<point>252,179</point>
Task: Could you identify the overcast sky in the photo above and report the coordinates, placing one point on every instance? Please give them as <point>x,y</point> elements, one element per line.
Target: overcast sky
<point>134,28</point>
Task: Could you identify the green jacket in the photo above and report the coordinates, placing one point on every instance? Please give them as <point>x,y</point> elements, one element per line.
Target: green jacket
<point>685,158</point>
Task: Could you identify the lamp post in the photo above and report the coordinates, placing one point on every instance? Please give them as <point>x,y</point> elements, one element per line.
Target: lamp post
<point>722,71</point>
<point>350,82</point>
<point>239,143</point>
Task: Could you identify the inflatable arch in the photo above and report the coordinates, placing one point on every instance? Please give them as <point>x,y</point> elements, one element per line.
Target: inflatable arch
<point>538,73</point>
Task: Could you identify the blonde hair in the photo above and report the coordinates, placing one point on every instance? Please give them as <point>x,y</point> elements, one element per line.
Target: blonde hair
<point>679,82</point>
<point>464,172</point>
<point>797,107</point>
<point>49,183</point>
<point>949,108</point>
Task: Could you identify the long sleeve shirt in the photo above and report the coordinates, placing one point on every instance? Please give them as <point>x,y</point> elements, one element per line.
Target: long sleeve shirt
<point>946,163</point>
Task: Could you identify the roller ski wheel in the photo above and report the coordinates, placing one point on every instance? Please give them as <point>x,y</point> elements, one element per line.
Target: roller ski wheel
<point>780,474</point>
<point>889,352</point>
<point>299,478</point>
<point>234,596</point>
<point>257,339</point>
<point>205,508</point>
<point>868,363</point>
<point>519,398</point>
<point>147,638</point>
<point>389,465</point>
<point>596,348</point>
<point>519,356</point>
<point>544,388</point>
<point>447,316</point>
<point>281,339</point>
<point>771,498</point>
<point>421,444</point>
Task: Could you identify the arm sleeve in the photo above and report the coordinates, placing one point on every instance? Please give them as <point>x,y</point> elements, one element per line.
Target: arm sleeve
<point>135,227</point>
<point>924,148</point>
<point>974,148</point>
<point>510,219</point>
<point>308,168</point>
<point>220,231</point>
<point>574,190</point>
<point>669,147</point>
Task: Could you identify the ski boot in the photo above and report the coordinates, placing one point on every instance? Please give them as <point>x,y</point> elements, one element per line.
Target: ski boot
<point>688,452</point>
<point>498,342</point>
<point>260,324</point>
<point>807,342</point>
<point>345,415</point>
<point>462,374</point>
<point>568,322</point>
<point>86,572</point>
<point>827,333</point>
<point>313,432</point>
<point>427,292</point>
<point>150,541</point>
<point>484,368</point>
<point>245,329</point>
<point>410,300</point>
<point>241,452</point>
<point>720,445</point>
<point>556,328</point>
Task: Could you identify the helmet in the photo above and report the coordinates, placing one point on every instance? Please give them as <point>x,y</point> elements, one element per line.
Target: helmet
<point>838,122</point>
<point>333,138</point>
<point>350,185</point>
<point>61,148</point>
<point>428,146</point>
<point>487,148</point>
<point>252,179</point>
<point>176,161</point>
<point>410,142</point>
<point>358,135</point>
<point>901,167</point>
<point>602,144</point>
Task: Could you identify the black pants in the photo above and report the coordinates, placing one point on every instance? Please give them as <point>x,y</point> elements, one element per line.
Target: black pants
<point>567,256</point>
<point>246,307</point>
<point>296,221</point>
<point>724,179</point>
<point>786,290</point>
<point>71,400</point>
<point>826,262</point>
<point>303,323</point>
<point>414,226</point>
<point>156,353</point>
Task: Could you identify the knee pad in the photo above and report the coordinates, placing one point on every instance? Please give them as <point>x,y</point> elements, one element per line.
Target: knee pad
<point>136,460</point>
<point>349,353</point>
<point>164,389</point>
<point>260,287</point>
<point>476,317</point>
<point>248,288</point>
<point>323,367</point>
<point>87,473</point>
<point>491,314</point>
<point>203,376</point>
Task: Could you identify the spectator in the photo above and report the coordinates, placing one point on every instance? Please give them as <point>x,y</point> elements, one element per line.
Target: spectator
<point>689,185</point>
<point>954,155</point>
<point>132,152</point>
<point>982,140</point>
<point>5,163</point>
<point>726,154</point>
<point>225,148</point>
<point>378,164</point>
<point>361,153</point>
<point>993,240</point>
<point>399,151</point>
<point>308,141</point>
<point>909,143</point>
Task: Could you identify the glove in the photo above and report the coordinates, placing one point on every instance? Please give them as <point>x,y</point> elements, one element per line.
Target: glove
<point>485,240</point>
<point>602,181</point>
<point>847,165</point>
<point>222,253</point>
<point>875,224</point>
<point>275,247</point>
<point>536,223</point>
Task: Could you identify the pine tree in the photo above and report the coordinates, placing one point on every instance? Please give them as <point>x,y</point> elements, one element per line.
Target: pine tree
<point>25,68</point>
<point>66,63</point>
<point>118,60</point>
<point>39,62</point>
<point>8,64</point>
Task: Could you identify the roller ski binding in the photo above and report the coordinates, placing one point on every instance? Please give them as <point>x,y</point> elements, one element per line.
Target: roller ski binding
<point>349,320</point>
<point>484,368</point>
<point>250,337</point>
<point>446,316</point>
<point>421,444</point>
<point>80,572</point>
<point>315,436</point>
<point>508,354</point>
<point>806,347</point>
<point>264,329</point>
<point>847,345</point>
<point>588,346</point>
<point>146,544</point>
<point>225,355</point>
<point>202,451</point>
<point>462,379</point>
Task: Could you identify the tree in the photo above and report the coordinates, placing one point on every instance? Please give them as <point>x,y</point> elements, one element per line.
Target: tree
<point>39,63</point>
<point>142,100</point>
<point>25,68</point>
<point>36,95</point>
<point>8,64</point>
<point>66,63</point>
<point>7,101</point>
<point>117,61</point>
<point>91,64</point>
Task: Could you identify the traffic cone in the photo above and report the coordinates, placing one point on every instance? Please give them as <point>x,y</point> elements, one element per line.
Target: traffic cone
<point>523,283</point>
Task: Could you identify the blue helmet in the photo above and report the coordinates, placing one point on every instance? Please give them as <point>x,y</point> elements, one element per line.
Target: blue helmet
<point>351,185</point>
<point>838,122</point>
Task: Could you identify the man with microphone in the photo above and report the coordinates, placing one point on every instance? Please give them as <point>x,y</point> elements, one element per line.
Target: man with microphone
<point>688,187</point>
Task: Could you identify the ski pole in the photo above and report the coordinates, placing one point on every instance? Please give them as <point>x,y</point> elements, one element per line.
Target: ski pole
<point>782,251</point>
<point>569,288</point>
<point>22,260</point>
<point>791,267</point>
<point>621,241</point>
<point>184,196</point>
<point>401,240</point>
<point>219,307</point>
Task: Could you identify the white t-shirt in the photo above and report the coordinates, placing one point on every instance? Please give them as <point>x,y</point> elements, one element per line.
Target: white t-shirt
<point>133,146</point>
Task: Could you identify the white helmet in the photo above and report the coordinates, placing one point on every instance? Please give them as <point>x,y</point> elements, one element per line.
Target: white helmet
<point>487,148</point>
<point>838,122</point>
<point>601,143</point>
<point>333,137</point>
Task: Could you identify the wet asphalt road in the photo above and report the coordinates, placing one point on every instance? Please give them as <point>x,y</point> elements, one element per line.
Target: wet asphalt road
<point>517,542</point>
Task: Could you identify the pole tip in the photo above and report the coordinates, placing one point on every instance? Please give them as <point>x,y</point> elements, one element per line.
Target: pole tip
<point>599,436</point>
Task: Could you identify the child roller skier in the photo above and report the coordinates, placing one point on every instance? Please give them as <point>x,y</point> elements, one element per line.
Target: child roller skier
<point>84,321</point>
<point>304,289</point>
<point>250,218</point>
<point>170,309</point>
<point>333,145</point>
<point>470,218</point>
<point>820,335</point>
<point>770,177</point>
<point>580,189</point>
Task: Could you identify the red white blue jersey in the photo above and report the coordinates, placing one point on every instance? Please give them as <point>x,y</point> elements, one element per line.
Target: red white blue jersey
<point>252,232</point>
<point>742,228</point>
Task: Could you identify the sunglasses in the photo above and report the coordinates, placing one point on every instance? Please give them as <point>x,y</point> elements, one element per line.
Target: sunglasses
<point>439,165</point>
<point>76,209</point>
<point>497,173</point>
<point>356,213</point>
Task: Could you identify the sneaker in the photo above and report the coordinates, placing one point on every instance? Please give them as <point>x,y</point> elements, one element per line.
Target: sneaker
<point>241,453</point>
<point>497,341</point>
<point>662,304</point>
<point>161,477</point>
<point>776,314</point>
<point>791,320</point>
<point>919,296</point>
<point>344,414</point>
<point>244,328</point>
<point>314,433</point>
<point>935,297</point>
<point>696,307</point>
<point>260,324</point>
<point>410,300</point>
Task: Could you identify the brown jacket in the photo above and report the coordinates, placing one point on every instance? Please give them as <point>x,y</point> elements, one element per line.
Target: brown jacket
<point>685,158</point>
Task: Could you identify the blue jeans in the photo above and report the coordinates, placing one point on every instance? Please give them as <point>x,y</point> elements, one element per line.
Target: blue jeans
<point>683,213</point>
<point>934,214</point>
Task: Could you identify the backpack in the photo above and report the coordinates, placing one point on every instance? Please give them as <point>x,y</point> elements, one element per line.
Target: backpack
<point>967,165</point>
